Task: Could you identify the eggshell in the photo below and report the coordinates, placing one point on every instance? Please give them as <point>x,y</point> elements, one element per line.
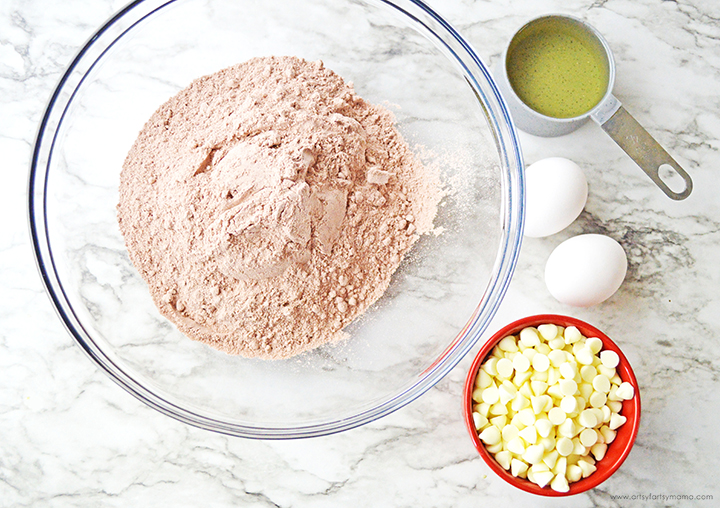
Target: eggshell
<point>556,192</point>
<point>585,270</point>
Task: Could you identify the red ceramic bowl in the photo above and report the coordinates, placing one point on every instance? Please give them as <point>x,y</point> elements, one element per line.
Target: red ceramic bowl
<point>617,451</point>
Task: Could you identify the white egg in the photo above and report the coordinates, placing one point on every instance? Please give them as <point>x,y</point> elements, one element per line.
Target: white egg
<point>585,270</point>
<point>556,191</point>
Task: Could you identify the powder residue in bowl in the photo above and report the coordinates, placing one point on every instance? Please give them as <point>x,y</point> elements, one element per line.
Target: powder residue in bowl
<point>268,205</point>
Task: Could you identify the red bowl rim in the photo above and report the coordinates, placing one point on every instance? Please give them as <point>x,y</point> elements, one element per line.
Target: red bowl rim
<point>626,434</point>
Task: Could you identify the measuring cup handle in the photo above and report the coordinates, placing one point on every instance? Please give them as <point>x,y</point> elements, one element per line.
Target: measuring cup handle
<point>643,149</point>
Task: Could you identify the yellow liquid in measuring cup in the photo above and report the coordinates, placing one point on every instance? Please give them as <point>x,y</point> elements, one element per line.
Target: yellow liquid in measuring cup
<point>558,70</point>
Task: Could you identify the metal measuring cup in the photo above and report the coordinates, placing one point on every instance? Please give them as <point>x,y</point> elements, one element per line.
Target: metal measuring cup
<point>608,112</point>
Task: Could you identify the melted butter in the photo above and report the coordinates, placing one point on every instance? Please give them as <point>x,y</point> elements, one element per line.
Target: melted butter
<point>558,69</point>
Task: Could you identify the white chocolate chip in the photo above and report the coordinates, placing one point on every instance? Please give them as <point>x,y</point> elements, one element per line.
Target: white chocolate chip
<point>527,416</point>
<point>498,421</point>
<point>594,344</point>
<point>588,373</point>
<point>507,393</point>
<point>557,343</point>
<point>498,409</point>
<point>568,370</point>
<point>526,390</point>
<point>543,426</point>
<point>533,454</point>
<point>609,359</point>
<point>489,366</point>
<point>586,390</point>
<point>479,420</point>
<point>503,458</point>
<point>601,383</point>
<point>560,484</point>
<point>529,337</point>
<point>569,404</point>
<point>548,443</point>
<point>515,420</point>
<point>490,395</point>
<point>543,477</point>
<point>550,458</point>
<point>521,363</point>
<point>608,434</point>
<point>557,357</point>
<point>578,448</point>
<point>625,391</point>
<point>609,373</point>
<point>509,432</point>
<point>585,356</point>
<point>587,419</point>
<point>520,377</point>
<point>538,387</point>
<point>483,380</point>
<point>508,344</point>
<point>607,413</point>
<point>540,362</point>
<point>554,391</point>
<point>568,387</point>
<point>516,446</point>
<point>564,446</point>
<point>588,437</point>
<point>530,475</point>
<point>574,473</point>
<point>529,434</point>
<point>614,405</point>
<point>490,435</point>
<point>494,448</point>
<point>567,428</point>
<point>548,331</point>
<point>586,467</point>
<point>598,399</point>
<point>505,368</point>
<point>556,416</point>
<point>598,450</point>
<point>519,402</point>
<point>518,467</point>
<point>616,421</point>
<point>572,335</point>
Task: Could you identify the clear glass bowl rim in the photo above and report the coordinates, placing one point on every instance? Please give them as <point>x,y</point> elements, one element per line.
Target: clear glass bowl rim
<point>432,26</point>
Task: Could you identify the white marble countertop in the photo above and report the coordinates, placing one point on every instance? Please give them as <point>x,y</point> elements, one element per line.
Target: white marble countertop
<point>71,437</point>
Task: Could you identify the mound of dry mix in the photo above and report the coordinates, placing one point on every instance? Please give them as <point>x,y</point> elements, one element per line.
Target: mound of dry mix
<point>267,206</point>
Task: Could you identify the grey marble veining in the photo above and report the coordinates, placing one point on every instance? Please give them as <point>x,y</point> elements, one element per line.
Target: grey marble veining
<point>71,437</point>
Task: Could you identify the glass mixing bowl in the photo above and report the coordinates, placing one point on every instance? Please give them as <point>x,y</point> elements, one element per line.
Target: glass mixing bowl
<point>398,53</point>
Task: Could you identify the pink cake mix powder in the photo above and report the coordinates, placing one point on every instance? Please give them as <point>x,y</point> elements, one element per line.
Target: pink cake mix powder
<point>267,206</point>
